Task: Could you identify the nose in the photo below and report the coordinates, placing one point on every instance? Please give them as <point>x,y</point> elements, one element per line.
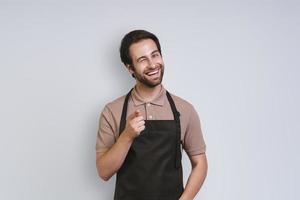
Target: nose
<point>151,63</point>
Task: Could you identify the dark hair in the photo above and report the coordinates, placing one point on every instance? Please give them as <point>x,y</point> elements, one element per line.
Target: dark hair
<point>133,37</point>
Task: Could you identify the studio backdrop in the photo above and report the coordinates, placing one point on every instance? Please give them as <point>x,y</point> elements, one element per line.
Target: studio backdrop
<point>237,62</point>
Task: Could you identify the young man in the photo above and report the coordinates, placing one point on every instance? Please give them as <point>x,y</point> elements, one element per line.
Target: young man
<point>141,134</point>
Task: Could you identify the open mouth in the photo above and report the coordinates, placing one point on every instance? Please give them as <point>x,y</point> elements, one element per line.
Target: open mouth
<point>153,73</point>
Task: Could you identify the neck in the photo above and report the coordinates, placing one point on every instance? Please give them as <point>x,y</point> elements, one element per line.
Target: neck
<point>147,93</point>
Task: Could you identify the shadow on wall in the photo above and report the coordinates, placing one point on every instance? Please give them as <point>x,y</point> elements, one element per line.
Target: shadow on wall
<point>117,70</point>
<point>123,82</point>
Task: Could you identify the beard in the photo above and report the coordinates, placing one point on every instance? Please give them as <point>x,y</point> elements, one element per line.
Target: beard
<point>151,83</point>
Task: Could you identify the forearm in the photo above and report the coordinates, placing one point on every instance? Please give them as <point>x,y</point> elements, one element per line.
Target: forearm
<point>110,162</point>
<point>195,180</point>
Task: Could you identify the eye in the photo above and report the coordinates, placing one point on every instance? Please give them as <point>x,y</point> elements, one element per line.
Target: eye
<point>155,55</point>
<point>142,59</point>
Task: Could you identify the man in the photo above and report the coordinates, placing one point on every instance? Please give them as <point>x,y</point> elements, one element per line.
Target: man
<point>141,134</point>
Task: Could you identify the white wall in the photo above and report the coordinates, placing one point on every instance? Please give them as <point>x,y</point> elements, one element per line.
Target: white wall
<point>236,61</point>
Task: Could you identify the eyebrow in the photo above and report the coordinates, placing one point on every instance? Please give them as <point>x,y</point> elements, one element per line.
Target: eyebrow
<point>153,52</point>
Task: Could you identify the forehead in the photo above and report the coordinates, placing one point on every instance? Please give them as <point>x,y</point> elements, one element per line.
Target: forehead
<point>142,48</point>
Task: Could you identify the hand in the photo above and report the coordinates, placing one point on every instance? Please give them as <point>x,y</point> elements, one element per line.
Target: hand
<point>135,124</point>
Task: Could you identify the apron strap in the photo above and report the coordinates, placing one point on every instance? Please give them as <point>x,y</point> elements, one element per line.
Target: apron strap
<point>124,113</point>
<point>178,130</point>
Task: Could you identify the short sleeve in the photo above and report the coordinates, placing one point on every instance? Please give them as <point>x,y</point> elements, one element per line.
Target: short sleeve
<point>193,140</point>
<point>105,134</point>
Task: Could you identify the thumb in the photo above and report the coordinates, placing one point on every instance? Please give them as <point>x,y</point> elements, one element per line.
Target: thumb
<point>136,113</point>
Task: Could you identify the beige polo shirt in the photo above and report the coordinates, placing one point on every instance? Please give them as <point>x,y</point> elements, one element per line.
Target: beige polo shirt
<point>159,109</point>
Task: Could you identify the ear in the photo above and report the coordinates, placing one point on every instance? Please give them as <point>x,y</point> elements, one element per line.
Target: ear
<point>130,68</point>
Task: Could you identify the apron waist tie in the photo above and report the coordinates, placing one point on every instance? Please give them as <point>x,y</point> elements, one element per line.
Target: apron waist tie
<point>178,150</point>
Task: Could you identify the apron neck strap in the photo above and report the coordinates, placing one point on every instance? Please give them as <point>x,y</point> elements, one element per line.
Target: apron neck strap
<point>178,131</point>
<point>124,113</point>
<point>173,107</point>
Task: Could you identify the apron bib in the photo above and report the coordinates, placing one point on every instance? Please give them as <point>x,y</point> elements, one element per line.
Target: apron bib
<point>152,168</point>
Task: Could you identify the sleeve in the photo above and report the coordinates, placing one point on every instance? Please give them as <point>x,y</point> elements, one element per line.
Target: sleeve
<point>105,134</point>
<point>193,141</point>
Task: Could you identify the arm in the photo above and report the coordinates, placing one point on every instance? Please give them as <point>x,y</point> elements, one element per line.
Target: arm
<point>196,178</point>
<point>110,161</point>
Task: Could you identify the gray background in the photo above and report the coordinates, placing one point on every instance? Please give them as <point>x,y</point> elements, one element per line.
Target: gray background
<point>237,62</point>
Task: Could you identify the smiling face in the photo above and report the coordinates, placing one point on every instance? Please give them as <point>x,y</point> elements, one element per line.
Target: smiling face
<point>147,63</point>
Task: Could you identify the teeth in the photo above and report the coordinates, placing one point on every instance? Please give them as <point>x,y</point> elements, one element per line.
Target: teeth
<point>154,72</point>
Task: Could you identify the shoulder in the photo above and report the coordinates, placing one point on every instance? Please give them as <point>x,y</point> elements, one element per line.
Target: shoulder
<point>115,106</point>
<point>182,104</point>
<point>111,114</point>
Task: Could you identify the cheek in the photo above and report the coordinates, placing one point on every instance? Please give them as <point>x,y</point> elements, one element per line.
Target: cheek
<point>139,68</point>
<point>159,60</point>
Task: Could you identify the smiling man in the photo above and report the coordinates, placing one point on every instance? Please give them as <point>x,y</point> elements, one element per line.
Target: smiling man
<point>141,135</point>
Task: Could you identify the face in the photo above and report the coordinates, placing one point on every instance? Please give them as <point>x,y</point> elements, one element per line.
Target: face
<point>148,66</point>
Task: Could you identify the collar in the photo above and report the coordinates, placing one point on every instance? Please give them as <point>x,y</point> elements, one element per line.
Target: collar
<point>158,100</point>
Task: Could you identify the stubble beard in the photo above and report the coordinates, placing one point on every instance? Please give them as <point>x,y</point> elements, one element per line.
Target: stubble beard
<point>149,83</point>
